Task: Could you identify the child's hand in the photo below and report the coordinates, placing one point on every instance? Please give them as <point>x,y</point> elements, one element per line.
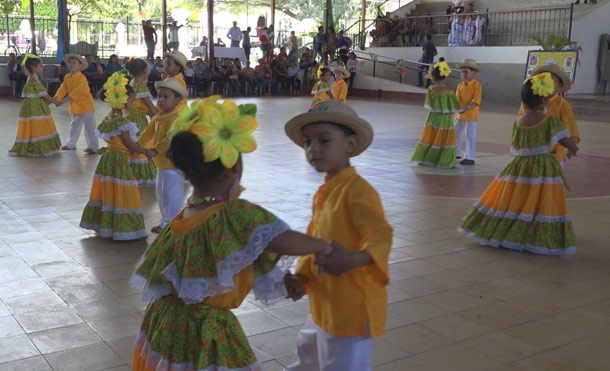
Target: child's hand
<point>338,262</point>
<point>294,286</point>
<point>151,153</point>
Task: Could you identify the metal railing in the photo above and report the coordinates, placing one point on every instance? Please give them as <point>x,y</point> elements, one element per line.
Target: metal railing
<point>400,65</point>
<point>500,28</point>
<point>121,37</point>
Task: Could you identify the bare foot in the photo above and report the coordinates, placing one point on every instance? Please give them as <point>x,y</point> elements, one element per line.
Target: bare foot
<point>89,151</point>
<point>156,229</point>
<point>66,148</point>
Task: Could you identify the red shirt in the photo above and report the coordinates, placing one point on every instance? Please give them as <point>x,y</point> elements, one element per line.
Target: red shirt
<point>149,32</point>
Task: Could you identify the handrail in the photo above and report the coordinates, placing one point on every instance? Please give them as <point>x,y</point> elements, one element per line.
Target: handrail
<point>373,58</point>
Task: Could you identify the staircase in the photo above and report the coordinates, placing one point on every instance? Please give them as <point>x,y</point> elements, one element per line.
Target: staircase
<point>595,107</point>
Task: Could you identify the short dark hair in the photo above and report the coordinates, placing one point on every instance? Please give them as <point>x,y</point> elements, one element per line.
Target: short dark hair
<point>428,36</point>
<point>31,63</point>
<point>185,152</point>
<point>136,67</point>
<point>324,71</point>
<point>528,97</point>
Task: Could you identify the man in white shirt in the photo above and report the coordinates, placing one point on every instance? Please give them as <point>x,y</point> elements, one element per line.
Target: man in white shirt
<point>173,36</point>
<point>234,35</point>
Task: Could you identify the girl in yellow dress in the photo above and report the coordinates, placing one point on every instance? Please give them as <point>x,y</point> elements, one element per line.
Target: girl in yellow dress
<point>36,135</point>
<point>524,208</point>
<point>114,209</point>
<point>144,169</point>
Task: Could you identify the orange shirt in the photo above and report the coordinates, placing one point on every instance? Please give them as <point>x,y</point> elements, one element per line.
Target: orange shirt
<point>562,109</point>
<point>348,210</point>
<point>77,87</point>
<point>340,90</point>
<point>469,93</point>
<point>158,131</point>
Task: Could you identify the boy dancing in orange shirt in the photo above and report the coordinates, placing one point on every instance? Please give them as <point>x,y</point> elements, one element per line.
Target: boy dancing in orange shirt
<point>348,306</point>
<point>469,94</point>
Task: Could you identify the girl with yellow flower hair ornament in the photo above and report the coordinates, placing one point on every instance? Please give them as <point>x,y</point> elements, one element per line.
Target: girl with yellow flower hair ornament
<point>114,209</point>
<point>214,252</point>
<point>36,135</point>
<point>437,145</point>
<point>524,208</point>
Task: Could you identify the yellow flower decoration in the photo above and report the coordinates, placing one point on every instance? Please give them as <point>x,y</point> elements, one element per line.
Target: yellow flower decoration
<point>29,56</point>
<point>444,68</point>
<point>542,84</point>
<point>116,93</point>
<point>225,129</point>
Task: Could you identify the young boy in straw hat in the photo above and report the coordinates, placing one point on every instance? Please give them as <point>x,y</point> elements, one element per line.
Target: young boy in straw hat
<point>559,107</point>
<point>170,181</point>
<point>340,86</point>
<point>469,93</point>
<point>75,89</point>
<point>175,65</point>
<point>347,306</point>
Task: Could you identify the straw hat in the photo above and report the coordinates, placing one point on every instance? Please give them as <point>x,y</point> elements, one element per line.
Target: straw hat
<point>343,70</point>
<point>80,58</point>
<point>178,57</point>
<point>469,63</point>
<point>335,112</point>
<point>174,85</point>
<point>557,71</point>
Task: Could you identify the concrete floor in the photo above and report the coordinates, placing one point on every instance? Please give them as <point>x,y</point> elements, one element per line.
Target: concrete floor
<point>65,303</point>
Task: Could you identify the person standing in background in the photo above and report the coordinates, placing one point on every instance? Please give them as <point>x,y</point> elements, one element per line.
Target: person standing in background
<point>150,38</point>
<point>234,35</point>
<point>173,36</point>
<point>246,42</point>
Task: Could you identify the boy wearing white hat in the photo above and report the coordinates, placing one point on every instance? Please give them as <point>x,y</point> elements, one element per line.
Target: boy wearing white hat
<point>347,306</point>
<point>340,86</point>
<point>170,181</point>
<point>469,93</point>
<point>75,89</point>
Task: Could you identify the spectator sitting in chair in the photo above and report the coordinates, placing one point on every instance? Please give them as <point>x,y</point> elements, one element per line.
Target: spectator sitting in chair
<point>219,42</point>
<point>113,65</point>
<point>94,78</point>
<point>202,75</point>
<point>281,74</point>
<point>341,40</point>
<point>470,8</point>
<point>259,74</point>
<point>189,74</point>
<point>282,54</point>
<point>248,75</point>
<point>16,72</point>
<point>293,77</point>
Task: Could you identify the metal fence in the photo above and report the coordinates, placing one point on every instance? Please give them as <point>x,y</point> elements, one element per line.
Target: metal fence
<point>500,28</point>
<point>106,37</point>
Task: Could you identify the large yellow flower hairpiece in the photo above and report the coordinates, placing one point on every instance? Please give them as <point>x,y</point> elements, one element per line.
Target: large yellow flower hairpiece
<point>225,129</point>
<point>542,84</point>
<point>444,68</point>
<point>116,93</point>
<point>29,56</point>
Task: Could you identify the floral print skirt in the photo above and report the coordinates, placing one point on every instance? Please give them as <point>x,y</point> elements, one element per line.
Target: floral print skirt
<point>524,208</point>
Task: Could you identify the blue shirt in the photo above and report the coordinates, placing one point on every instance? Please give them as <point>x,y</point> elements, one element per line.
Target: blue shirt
<point>341,42</point>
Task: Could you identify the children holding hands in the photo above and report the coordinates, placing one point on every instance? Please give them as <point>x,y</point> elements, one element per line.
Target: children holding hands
<point>347,306</point>
<point>340,86</point>
<point>169,186</point>
<point>214,252</point>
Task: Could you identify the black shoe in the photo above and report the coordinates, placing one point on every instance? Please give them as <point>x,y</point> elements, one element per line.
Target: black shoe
<point>418,85</point>
<point>458,157</point>
<point>467,162</point>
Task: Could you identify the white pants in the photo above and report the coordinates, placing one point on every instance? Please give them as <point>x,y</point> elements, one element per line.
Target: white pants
<point>470,129</point>
<point>317,350</point>
<point>170,194</point>
<point>87,119</point>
